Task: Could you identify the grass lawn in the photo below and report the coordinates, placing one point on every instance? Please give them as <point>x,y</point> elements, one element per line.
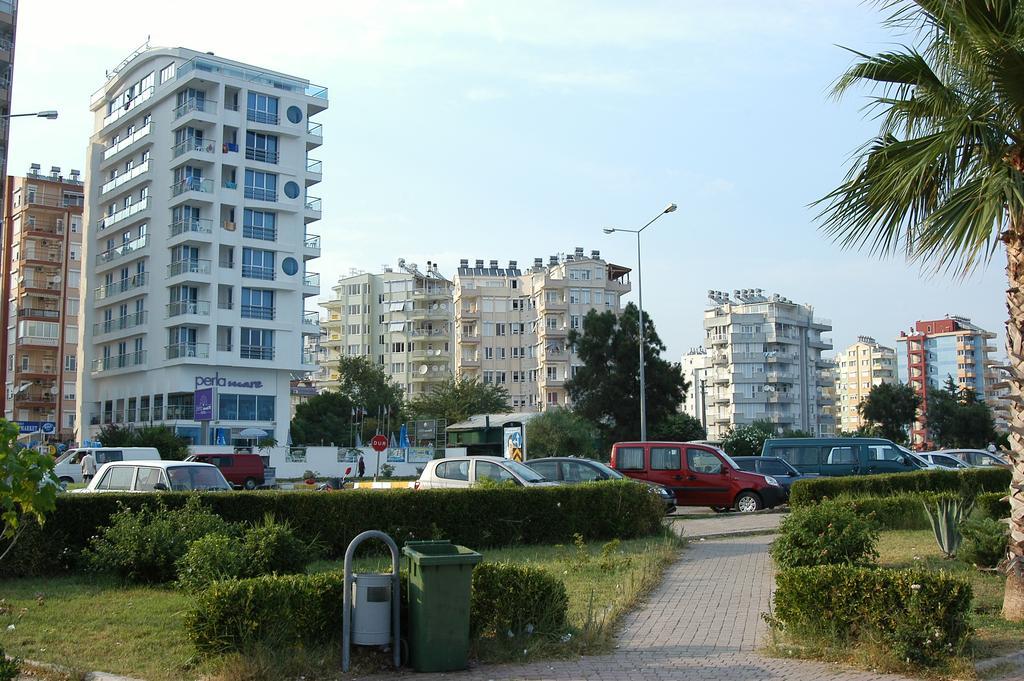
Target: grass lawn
<point>88,623</point>
<point>995,636</point>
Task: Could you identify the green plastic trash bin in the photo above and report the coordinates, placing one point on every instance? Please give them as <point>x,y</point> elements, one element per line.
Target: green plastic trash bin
<point>440,581</point>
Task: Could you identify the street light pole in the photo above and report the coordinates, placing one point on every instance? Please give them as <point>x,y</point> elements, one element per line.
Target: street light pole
<point>51,115</point>
<point>640,304</point>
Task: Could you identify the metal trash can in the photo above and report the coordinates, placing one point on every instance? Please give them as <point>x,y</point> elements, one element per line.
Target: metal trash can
<point>440,582</point>
<point>371,609</point>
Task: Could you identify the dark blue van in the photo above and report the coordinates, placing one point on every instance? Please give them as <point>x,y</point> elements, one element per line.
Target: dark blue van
<point>840,455</point>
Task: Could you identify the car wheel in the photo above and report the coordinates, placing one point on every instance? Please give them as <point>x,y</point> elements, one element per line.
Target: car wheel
<point>66,480</point>
<point>748,502</point>
<point>250,483</point>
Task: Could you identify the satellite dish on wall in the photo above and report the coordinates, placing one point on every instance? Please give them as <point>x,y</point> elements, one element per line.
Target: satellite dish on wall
<point>423,369</point>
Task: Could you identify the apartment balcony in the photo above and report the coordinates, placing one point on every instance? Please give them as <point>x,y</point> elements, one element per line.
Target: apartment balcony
<point>991,348</point>
<point>188,351</point>
<point>194,108</point>
<point>122,251</point>
<point>437,334</point>
<point>39,228</point>
<point>118,362</point>
<point>41,285</point>
<point>310,284</point>
<point>311,323</point>
<point>314,208</point>
<point>469,362</point>
<point>311,247</point>
<point>189,269</point>
<point>820,343</point>
<point>47,314</point>
<point>257,352</point>
<point>314,171</point>
<point>261,155</point>
<point>180,412</point>
<point>132,104</point>
<point>308,358</point>
<point>40,371</point>
<point>262,117</point>
<point>128,142</point>
<point>426,313</point>
<point>193,308</point>
<point>35,400</point>
<point>191,227</point>
<point>436,355</point>
<point>46,256</point>
<point>37,342</point>
<point>432,293</point>
<point>195,148</point>
<point>258,272</point>
<point>720,360</point>
<point>780,398</point>
<point>469,338</point>
<point>124,215</point>
<point>331,342</point>
<point>314,135</point>
<point>193,187</point>
<point>468,313</point>
<point>779,377</point>
<point>124,179</point>
<point>555,332</point>
<point>125,323</point>
<point>721,400</point>
<point>553,305</point>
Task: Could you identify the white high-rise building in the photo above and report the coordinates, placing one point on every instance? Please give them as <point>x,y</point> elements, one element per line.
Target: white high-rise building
<point>766,364</point>
<point>696,365</point>
<point>196,245</point>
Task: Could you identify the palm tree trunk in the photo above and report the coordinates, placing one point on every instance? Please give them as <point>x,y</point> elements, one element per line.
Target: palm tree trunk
<point>1013,599</point>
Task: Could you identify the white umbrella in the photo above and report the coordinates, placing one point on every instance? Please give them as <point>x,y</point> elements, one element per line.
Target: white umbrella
<point>253,432</point>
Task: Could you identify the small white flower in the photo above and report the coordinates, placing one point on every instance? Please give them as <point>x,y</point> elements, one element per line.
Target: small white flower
<point>10,627</point>
<point>915,587</point>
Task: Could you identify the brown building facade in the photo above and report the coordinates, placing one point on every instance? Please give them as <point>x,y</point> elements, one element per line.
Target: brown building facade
<point>41,262</point>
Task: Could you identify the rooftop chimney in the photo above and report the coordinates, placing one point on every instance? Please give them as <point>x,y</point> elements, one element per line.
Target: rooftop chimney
<point>552,260</point>
<point>464,262</point>
<point>494,264</point>
<point>596,255</point>
<point>479,264</point>
<point>512,264</point>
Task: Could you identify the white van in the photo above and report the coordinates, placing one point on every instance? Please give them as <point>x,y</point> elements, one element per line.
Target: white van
<point>69,468</point>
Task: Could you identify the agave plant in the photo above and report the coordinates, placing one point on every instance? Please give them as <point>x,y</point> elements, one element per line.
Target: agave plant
<point>945,517</point>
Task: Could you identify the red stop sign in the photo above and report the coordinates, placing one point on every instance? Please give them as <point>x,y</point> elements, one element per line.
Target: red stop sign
<point>379,443</point>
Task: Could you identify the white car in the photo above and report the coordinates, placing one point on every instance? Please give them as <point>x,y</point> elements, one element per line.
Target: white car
<point>976,458</point>
<point>157,476</point>
<point>465,471</point>
<point>944,460</point>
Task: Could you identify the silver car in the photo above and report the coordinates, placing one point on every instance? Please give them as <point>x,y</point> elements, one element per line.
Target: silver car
<point>976,458</point>
<point>465,471</point>
<point>944,460</point>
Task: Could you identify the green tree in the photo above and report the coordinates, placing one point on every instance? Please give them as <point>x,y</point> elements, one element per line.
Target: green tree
<point>323,419</point>
<point>606,389</point>
<point>747,440</point>
<point>561,432</point>
<point>456,399</point>
<point>170,445</point>
<point>891,408</point>
<point>366,385</point>
<point>678,427</point>
<point>957,418</point>
<point>113,435</point>
<point>28,488</point>
<point>942,181</point>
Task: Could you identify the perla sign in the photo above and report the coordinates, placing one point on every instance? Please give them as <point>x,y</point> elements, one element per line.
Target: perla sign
<point>221,382</point>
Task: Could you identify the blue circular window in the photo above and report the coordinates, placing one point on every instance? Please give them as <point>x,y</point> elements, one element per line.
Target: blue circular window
<point>294,114</point>
<point>290,266</point>
<point>291,189</point>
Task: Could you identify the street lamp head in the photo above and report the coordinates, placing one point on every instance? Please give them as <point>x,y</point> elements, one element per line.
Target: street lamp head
<point>51,115</point>
<point>608,230</point>
<point>670,209</point>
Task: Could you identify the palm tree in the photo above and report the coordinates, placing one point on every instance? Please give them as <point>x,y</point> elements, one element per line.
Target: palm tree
<point>943,182</point>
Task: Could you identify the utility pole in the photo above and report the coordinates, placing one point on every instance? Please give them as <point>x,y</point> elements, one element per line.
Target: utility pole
<point>703,406</point>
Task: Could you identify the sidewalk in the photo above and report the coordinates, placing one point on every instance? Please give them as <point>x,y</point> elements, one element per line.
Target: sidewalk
<point>703,623</point>
<point>728,524</point>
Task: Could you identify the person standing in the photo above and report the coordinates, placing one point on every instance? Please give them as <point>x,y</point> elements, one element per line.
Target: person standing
<point>88,467</point>
<point>362,466</point>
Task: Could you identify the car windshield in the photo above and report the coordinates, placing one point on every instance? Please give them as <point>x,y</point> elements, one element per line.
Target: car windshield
<point>524,472</point>
<point>196,478</point>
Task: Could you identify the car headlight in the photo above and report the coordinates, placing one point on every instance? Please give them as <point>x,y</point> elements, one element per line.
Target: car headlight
<point>771,481</point>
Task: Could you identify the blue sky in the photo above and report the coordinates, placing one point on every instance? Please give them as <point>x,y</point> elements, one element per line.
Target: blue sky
<point>515,130</point>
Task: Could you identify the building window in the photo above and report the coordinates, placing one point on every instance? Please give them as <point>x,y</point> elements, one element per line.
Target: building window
<point>262,108</point>
<point>257,303</point>
<point>260,147</point>
<point>245,407</point>
<point>256,343</point>
<point>258,264</point>
<point>260,186</point>
<point>259,224</point>
<point>166,73</point>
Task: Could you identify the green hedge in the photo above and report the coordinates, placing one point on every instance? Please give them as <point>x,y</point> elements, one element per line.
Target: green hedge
<point>294,610</point>
<point>969,482</point>
<point>920,617</point>
<point>993,505</point>
<point>473,517</point>
<point>905,511</point>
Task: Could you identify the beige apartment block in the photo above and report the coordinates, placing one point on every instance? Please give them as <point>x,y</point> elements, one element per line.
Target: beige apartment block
<point>401,319</point>
<point>512,325</point>
<point>696,365</point>
<point>766,364</point>
<point>42,268</point>
<point>860,367</point>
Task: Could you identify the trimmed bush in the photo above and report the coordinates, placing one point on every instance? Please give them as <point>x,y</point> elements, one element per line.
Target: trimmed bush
<point>966,483</point>
<point>293,610</point>
<point>516,598</point>
<point>474,517</point>
<point>985,542</point>
<point>921,617</point>
<point>9,668</point>
<point>144,545</point>
<point>994,505</point>
<point>281,611</point>
<point>825,534</point>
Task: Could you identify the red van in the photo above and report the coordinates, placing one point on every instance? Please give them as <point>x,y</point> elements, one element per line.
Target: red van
<point>700,475</point>
<point>241,470</point>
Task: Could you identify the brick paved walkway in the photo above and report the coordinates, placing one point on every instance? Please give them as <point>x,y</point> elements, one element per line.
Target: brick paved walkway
<point>703,623</point>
